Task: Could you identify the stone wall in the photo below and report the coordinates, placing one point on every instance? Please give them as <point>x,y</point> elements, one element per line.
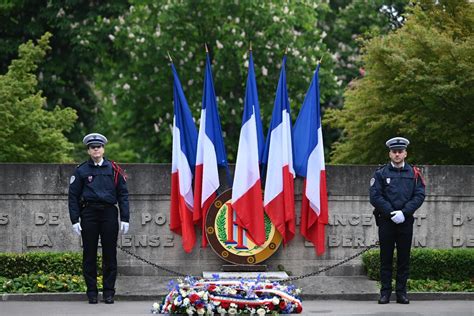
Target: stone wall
<point>34,217</point>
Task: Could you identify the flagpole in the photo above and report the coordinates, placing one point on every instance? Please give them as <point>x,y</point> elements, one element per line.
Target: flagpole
<point>169,56</point>
<point>250,49</point>
<point>205,45</point>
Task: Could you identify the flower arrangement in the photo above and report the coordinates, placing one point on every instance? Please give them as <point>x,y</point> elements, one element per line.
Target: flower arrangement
<point>229,297</point>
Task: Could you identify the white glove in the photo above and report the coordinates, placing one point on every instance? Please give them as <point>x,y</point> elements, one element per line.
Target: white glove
<point>77,228</point>
<point>124,227</point>
<point>398,217</point>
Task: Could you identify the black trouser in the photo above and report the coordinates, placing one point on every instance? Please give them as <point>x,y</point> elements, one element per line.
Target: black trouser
<point>391,235</point>
<point>99,220</point>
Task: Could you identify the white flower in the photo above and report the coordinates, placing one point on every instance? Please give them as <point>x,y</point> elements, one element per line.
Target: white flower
<point>232,311</point>
<point>219,44</point>
<point>261,311</point>
<point>285,10</point>
<point>275,300</point>
<point>186,301</point>
<point>190,310</point>
<point>131,35</point>
<point>117,29</point>
<point>233,305</point>
<point>126,86</point>
<point>200,293</point>
<point>276,19</point>
<point>201,311</point>
<point>61,13</point>
<point>156,305</point>
<point>177,301</point>
<point>298,291</point>
<point>237,20</point>
<point>111,37</point>
<point>264,71</point>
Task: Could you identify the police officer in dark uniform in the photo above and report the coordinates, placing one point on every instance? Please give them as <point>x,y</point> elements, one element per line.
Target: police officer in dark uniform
<point>94,190</point>
<point>397,190</point>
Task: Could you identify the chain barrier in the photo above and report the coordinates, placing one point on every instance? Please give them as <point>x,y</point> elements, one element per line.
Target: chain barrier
<point>329,267</point>
<point>279,281</point>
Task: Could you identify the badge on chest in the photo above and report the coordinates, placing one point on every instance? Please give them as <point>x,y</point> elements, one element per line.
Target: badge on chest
<point>388,180</point>
<point>90,178</point>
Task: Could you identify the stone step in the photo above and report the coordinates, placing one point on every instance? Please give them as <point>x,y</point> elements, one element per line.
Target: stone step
<point>312,287</point>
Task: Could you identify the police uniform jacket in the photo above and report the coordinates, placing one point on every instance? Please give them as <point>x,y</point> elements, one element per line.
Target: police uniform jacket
<point>394,189</point>
<point>95,184</point>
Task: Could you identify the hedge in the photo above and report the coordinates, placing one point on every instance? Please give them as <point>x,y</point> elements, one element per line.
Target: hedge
<point>13,265</point>
<point>50,283</point>
<point>435,264</point>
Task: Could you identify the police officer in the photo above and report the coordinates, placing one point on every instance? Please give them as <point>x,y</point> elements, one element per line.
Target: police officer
<point>96,187</point>
<point>397,190</point>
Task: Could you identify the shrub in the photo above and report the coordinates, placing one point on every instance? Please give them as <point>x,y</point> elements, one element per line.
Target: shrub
<point>435,264</point>
<point>13,265</point>
<point>37,283</point>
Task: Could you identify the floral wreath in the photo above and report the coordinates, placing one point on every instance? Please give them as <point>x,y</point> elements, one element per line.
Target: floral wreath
<point>229,297</point>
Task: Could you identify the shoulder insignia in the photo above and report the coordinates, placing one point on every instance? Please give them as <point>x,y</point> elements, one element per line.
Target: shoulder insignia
<point>81,164</point>
<point>417,174</point>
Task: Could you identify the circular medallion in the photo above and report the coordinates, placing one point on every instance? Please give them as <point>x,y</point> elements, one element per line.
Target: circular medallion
<point>230,241</point>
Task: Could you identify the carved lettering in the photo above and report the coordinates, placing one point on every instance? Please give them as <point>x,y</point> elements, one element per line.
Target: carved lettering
<point>367,220</point>
<point>419,241</point>
<point>154,241</point>
<point>333,241</point>
<point>51,218</point>
<point>169,241</point>
<point>354,241</point>
<point>126,241</point>
<point>140,241</point>
<point>4,219</point>
<point>146,217</point>
<point>354,220</point>
<point>458,241</point>
<point>340,220</point>
<point>159,218</point>
<point>457,219</point>
<point>470,241</point>
<point>40,218</point>
<point>418,219</point>
<point>41,241</point>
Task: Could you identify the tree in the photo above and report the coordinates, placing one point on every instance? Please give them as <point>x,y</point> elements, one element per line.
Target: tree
<point>29,132</point>
<point>66,75</point>
<point>418,84</point>
<point>137,91</point>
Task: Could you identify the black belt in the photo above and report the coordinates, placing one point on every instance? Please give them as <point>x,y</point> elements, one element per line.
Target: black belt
<point>98,204</point>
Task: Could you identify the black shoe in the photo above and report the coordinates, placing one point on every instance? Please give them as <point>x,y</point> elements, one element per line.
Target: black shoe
<point>402,299</point>
<point>109,300</point>
<point>384,299</point>
<point>92,300</point>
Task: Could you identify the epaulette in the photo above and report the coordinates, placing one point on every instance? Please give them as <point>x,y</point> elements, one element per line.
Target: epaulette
<point>81,164</point>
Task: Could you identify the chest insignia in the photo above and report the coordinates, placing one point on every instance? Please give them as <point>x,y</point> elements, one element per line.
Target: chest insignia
<point>90,178</point>
<point>388,180</point>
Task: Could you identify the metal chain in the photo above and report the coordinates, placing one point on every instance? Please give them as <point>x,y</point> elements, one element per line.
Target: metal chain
<point>331,266</point>
<point>280,281</point>
<point>151,263</point>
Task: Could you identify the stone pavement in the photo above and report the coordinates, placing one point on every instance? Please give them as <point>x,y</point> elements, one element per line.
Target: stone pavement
<point>314,307</point>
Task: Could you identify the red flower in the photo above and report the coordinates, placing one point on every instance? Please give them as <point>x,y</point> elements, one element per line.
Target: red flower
<point>211,287</point>
<point>200,305</point>
<point>299,308</point>
<point>282,304</point>
<point>241,305</point>
<point>269,286</point>
<point>225,305</point>
<point>193,297</point>
<point>270,306</point>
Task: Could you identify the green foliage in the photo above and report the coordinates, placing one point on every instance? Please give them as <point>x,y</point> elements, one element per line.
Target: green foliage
<point>14,265</point>
<point>138,89</point>
<point>418,84</point>
<point>29,132</point>
<point>78,46</point>
<point>38,283</point>
<point>455,265</point>
<point>440,286</point>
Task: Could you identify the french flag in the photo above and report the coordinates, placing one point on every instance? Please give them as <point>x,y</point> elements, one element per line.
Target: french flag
<point>247,190</point>
<point>309,164</point>
<point>183,162</point>
<point>210,153</point>
<point>279,200</point>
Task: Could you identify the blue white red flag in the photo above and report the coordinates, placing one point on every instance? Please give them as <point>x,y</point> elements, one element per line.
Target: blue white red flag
<point>309,164</point>
<point>211,153</point>
<point>183,162</point>
<point>247,190</point>
<point>279,200</point>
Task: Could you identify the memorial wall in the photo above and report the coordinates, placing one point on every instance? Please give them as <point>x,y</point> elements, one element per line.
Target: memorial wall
<point>34,217</point>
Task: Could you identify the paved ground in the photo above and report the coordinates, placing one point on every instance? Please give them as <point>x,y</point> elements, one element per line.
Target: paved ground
<point>324,307</point>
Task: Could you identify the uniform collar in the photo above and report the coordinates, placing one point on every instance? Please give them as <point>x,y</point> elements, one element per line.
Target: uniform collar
<point>403,168</point>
